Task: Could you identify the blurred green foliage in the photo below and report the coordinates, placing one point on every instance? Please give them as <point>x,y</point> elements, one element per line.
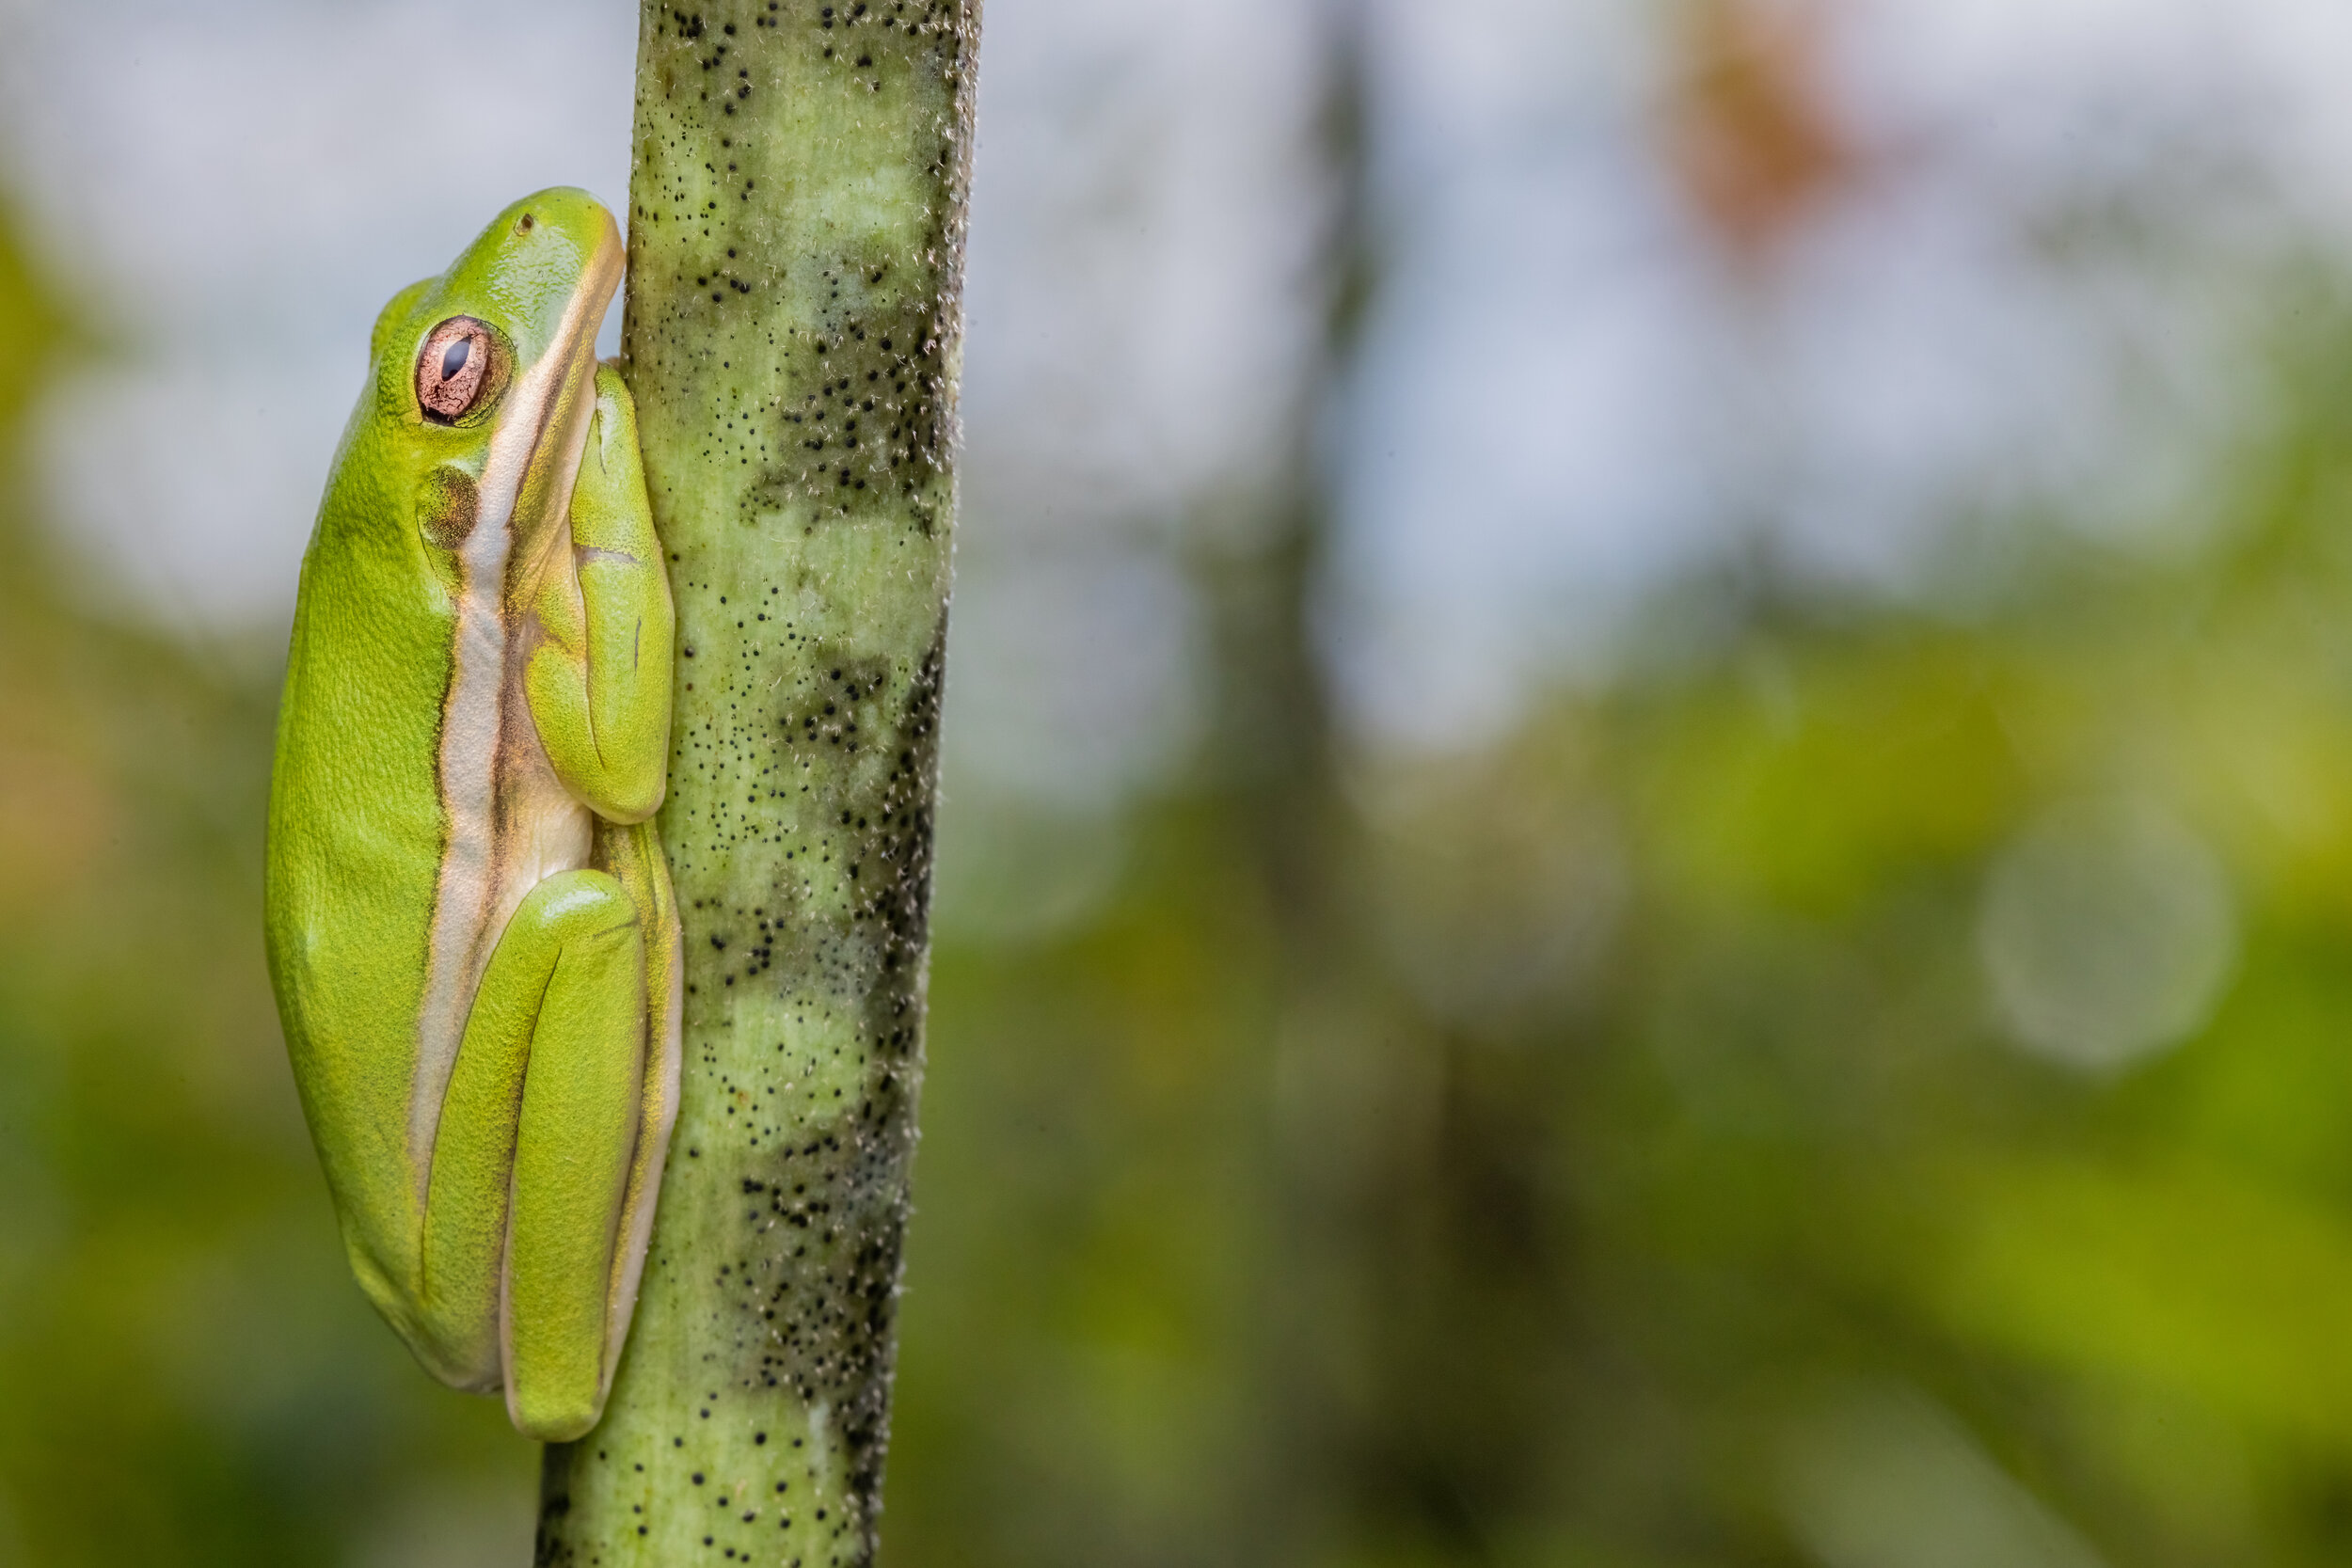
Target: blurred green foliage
<point>1613,1147</point>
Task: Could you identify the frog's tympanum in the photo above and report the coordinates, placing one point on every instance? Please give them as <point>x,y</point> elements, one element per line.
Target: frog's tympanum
<point>472,929</point>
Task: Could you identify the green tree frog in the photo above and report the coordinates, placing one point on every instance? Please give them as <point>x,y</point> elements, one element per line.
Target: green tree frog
<point>471,925</point>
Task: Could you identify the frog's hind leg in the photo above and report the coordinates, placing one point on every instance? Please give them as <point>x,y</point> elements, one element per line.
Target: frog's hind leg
<point>633,855</point>
<point>531,1160</point>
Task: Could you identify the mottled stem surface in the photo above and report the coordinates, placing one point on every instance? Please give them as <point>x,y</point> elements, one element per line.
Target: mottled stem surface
<point>791,334</point>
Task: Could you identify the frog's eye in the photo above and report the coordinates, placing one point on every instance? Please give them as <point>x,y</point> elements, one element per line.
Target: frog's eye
<point>453,369</point>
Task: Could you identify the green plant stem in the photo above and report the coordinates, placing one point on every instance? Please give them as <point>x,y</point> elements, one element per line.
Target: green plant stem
<point>792,333</point>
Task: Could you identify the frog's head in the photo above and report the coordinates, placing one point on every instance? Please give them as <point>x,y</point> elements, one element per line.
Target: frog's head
<point>484,376</point>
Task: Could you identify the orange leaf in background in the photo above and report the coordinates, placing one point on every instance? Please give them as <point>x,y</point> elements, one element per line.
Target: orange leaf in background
<point>58,813</point>
<point>1750,133</point>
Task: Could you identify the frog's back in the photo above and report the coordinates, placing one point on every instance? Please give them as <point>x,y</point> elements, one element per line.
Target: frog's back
<point>356,835</point>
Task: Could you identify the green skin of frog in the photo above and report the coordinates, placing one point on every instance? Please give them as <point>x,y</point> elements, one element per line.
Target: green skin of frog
<point>471,924</point>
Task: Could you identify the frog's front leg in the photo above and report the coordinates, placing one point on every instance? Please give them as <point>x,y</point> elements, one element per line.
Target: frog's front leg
<point>599,677</point>
<point>597,683</point>
<point>542,1117</point>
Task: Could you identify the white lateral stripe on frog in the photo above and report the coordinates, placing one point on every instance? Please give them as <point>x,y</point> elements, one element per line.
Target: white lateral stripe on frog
<point>477,892</point>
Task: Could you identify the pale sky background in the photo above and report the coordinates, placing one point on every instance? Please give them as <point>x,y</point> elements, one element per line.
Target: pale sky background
<point>1564,400</point>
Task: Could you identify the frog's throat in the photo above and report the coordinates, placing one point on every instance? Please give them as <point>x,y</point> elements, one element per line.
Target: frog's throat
<point>533,458</point>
